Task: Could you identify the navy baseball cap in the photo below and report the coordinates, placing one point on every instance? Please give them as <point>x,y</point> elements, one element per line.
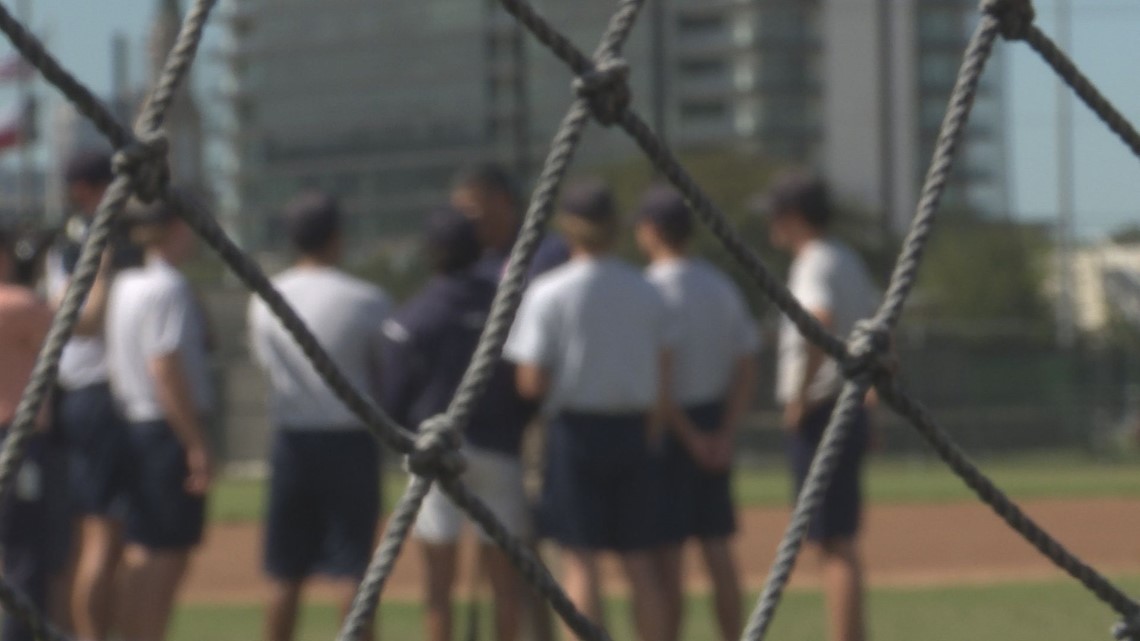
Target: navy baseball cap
<point>796,191</point>
<point>665,208</point>
<point>311,220</point>
<point>89,166</point>
<point>590,200</point>
<point>451,239</point>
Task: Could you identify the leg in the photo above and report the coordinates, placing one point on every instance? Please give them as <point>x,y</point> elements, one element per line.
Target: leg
<point>843,589</point>
<point>281,615</point>
<point>506,589</point>
<point>100,547</point>
<point>151,581</point>
<point>649,600</point>
<point>721,566</point>
<point>582,584</point>
<point>669,559</point>
<point>346,589</point>
<point>440,560</point>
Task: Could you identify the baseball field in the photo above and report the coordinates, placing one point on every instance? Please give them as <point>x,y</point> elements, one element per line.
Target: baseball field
<point>940,564</point>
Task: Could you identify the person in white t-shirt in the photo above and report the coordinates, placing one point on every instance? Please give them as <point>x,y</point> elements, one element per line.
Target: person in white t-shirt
<point>714,379</point>
<point>324,490</point>
<point>158,355</point>
<point>86,416</point>
<point>832,283</point>
<point>591,343</point>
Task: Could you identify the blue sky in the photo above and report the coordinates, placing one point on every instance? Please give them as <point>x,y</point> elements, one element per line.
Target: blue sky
<point>1104,44</point>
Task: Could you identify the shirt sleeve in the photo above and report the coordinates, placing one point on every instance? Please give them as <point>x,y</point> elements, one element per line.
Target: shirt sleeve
<point>255,331</point>
<point>747,332</point>
<point>531,340</point>
<point>811,283</point>
<point>167,322</point>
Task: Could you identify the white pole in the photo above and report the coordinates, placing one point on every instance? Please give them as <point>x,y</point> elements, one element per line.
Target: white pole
<point>1066,331</point>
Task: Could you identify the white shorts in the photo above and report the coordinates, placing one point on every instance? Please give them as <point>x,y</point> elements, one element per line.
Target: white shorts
<point>497,479</point>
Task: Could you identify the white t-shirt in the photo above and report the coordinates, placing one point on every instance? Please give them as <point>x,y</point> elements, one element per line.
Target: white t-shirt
<point>84,358</point>
<point>151,313</point>
<point>825,276</point>
<point>598,328</point>
<point>714,329</point>
<point>346,315</point>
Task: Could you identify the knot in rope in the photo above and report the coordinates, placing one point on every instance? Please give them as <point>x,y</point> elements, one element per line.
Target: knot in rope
<point>436,454</point>
<point>144,161</point>
<point>868,349</point>
<point>1128,629</point>
<point>1014,16</point>
<point>606,88</point>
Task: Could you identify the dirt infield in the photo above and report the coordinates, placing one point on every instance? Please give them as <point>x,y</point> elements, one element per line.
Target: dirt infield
<point>904,545</point>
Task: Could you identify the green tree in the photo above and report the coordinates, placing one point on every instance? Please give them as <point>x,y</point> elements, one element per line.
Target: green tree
<point>979,271</point>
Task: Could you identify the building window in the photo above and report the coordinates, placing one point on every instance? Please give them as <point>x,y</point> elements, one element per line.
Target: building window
<point>704,68</point>
<point>941,24</point>
<point>701,25</point>
<point>702,110</point>
<point>938,71</point>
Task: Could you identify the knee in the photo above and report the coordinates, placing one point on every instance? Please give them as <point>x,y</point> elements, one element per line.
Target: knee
<point>837,550</point>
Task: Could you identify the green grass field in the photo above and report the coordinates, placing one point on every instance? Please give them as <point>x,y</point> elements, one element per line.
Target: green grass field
<point>888,481</point>
<point>1055,611</point>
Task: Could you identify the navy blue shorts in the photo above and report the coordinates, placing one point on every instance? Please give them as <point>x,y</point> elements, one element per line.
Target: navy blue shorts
<point>98,450</point>
<point>600,490</point>
<point>324,503</point>
<point>33,527</point>
<point>840,513</point>
<point>696,503</point>
<point>161,514</point>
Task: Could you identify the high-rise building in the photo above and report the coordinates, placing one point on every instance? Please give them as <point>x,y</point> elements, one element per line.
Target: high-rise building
<point>856,88</point>
<point>379,104</point>
<point>183,118</point>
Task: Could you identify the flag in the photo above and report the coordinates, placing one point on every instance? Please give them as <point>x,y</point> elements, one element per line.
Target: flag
<point>14,67</point>
<point>18,124</point>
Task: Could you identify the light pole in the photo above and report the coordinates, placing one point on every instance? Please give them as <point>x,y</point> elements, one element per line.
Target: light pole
<point>1066,331</point>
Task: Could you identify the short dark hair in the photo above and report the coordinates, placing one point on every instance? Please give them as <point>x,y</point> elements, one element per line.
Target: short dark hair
<point>491,176</point>
<point>802,193</point>
<point>89,166</point>
<point>312,220</point>
<point>665,209</point>
<point>451,241</point>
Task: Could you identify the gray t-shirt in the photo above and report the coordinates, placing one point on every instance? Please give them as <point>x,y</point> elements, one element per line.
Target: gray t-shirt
<point>346,315</point>
<point>598,328</point>
<point>714,328</point>
<point>83,361</point>
<point>825,276</point>
<point>151,313</point>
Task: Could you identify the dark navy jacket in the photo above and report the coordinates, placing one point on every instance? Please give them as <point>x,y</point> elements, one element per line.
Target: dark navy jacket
<point>429,343</point>
<point>551,252</point>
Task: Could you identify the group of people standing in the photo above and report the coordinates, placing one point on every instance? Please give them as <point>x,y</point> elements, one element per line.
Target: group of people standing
<point>640,379</point>
<point>110,498</point>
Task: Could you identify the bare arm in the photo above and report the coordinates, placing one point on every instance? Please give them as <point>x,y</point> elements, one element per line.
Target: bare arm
<point>176,400</point>
<point>532,381</point>
<point>795,409</point>
<point>94,310</point>
<point>670,416</point>
<point>740,394</point>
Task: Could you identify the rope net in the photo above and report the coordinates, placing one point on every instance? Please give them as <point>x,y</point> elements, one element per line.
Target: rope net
<point>432,452</point>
